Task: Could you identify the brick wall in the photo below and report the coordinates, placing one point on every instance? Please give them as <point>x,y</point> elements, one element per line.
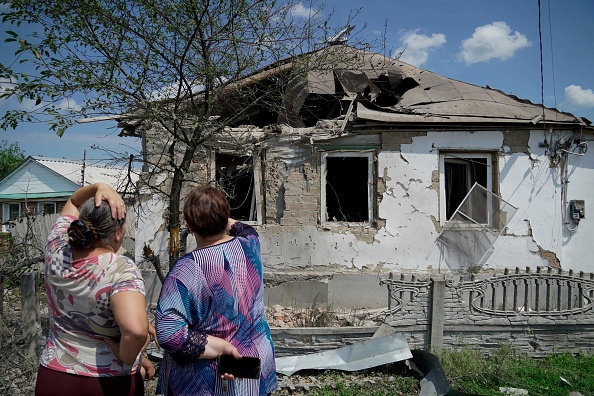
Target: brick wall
<point>301,198</point>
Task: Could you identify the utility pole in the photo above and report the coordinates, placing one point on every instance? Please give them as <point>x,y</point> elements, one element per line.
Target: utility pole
<point>82,171</point>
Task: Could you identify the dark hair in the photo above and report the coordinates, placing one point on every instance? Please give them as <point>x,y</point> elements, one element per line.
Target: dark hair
<point>94,227</point>
<point>207,210</point>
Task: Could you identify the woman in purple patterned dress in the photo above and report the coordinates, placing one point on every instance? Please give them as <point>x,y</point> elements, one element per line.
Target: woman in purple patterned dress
<point>212,303</point>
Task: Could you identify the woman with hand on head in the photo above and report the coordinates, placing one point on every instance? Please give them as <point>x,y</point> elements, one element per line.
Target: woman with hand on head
<point>98,323</point>
<point>212,304</point>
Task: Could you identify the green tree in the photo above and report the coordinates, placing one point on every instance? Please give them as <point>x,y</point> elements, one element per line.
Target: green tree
<point>169,66</point>
<point>11,155</point>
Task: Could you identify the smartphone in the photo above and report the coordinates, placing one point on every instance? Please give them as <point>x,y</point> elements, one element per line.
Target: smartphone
<point>246,367</point>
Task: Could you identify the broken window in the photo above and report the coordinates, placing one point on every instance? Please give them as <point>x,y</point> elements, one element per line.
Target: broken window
<point>10,212</point>
<point>239,176</point>
<point>347,187</point>
<point>458,173</point>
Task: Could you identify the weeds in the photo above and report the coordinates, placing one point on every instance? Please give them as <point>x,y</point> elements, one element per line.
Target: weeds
<point>314,315</point>
<point>470,370</point>
<point>17,371</point>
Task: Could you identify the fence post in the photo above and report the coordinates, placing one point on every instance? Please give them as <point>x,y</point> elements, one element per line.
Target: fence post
<point>30,311</point>
<point>1,307</point>
<point>437,313</point>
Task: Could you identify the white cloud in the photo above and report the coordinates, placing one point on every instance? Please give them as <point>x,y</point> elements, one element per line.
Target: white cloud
<point>299,10</point>
<point>68,104</point>
<point>5,85</point>
<point>65,104</point>
<point>579,96</point>
<point>417,46</point>
<point>29,105</point>
<point>492,41</point>
<point>171,91</point>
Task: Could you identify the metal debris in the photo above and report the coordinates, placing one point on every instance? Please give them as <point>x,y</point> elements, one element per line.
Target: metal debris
<point>371,353</point>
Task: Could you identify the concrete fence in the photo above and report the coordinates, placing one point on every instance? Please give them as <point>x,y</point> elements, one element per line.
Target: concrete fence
<point>536,312</point>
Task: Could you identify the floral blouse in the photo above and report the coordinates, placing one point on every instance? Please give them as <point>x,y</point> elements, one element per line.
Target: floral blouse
<point>80,315</point>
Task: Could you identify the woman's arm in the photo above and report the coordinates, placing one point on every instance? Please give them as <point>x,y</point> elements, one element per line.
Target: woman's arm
<point>129,311</point>
<point>101,192</point>
<point>177,332</point>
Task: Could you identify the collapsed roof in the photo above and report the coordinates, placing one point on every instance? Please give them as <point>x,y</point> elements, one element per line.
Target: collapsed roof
<point>360,89</point>
<point>365,87</point>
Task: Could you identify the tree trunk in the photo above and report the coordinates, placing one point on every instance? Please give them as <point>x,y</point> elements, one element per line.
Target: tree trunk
<point>175,202</point>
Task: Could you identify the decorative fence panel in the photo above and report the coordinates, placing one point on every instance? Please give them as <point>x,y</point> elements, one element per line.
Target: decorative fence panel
<point>537,312</point>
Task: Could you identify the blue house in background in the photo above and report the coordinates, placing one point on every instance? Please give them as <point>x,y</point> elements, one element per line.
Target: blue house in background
<point>42,185</point>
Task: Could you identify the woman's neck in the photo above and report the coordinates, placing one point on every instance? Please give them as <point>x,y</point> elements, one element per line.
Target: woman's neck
<point>202,242</point>
<point>90,253</point>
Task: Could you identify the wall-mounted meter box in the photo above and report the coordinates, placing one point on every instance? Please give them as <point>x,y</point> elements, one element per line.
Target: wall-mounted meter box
<point>577,209</point>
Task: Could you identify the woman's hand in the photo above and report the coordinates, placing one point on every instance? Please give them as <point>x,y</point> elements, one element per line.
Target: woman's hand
<point>111,196</point>
<point>101,192</point>
<point>229,349</point>
<point>114,346</point>
<point>147,370</point>
<point>152,334</point>
<point>216,347</point>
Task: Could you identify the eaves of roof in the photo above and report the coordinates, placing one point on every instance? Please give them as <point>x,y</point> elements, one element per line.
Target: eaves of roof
<point>22,197</point>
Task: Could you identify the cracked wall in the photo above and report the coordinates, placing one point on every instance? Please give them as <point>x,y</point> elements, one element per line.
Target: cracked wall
<point>407,213</point>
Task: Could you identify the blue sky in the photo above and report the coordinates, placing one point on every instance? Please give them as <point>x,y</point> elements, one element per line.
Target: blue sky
<point>482,42</point>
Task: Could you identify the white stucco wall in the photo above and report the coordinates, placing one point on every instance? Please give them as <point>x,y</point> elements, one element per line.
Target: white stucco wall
<point>410,208</point>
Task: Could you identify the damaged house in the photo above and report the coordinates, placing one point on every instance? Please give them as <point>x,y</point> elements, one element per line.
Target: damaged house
<point>371,166</point>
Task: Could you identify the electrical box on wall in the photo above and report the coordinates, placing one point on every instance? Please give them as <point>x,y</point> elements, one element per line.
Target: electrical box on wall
<point>577,209</point>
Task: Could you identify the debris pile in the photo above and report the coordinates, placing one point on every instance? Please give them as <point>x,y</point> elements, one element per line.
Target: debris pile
<point>279,316</point>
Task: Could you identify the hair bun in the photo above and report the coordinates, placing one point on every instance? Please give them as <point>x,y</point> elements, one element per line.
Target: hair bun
<point>81,237</point>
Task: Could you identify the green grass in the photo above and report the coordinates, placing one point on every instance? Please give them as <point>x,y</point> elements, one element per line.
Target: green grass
<point>471,371</point>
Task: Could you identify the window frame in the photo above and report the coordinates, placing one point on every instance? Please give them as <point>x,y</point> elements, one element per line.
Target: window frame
<point>41,204</point>
<point>6,214</point>
<point>461,156</point>
<point>257,172</point>
<point>370,155</point>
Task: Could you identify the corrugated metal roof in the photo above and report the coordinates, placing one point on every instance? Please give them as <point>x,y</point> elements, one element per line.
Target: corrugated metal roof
<point>42,177</point>
<point>73,171</point>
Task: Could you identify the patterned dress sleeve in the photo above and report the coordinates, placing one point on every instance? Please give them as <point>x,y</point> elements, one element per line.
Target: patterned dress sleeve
<point>57,251</point>
<point>176,318</point>
<point>129,277</point>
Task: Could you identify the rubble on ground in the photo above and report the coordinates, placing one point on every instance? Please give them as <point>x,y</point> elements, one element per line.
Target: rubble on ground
<point>287,316</point>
